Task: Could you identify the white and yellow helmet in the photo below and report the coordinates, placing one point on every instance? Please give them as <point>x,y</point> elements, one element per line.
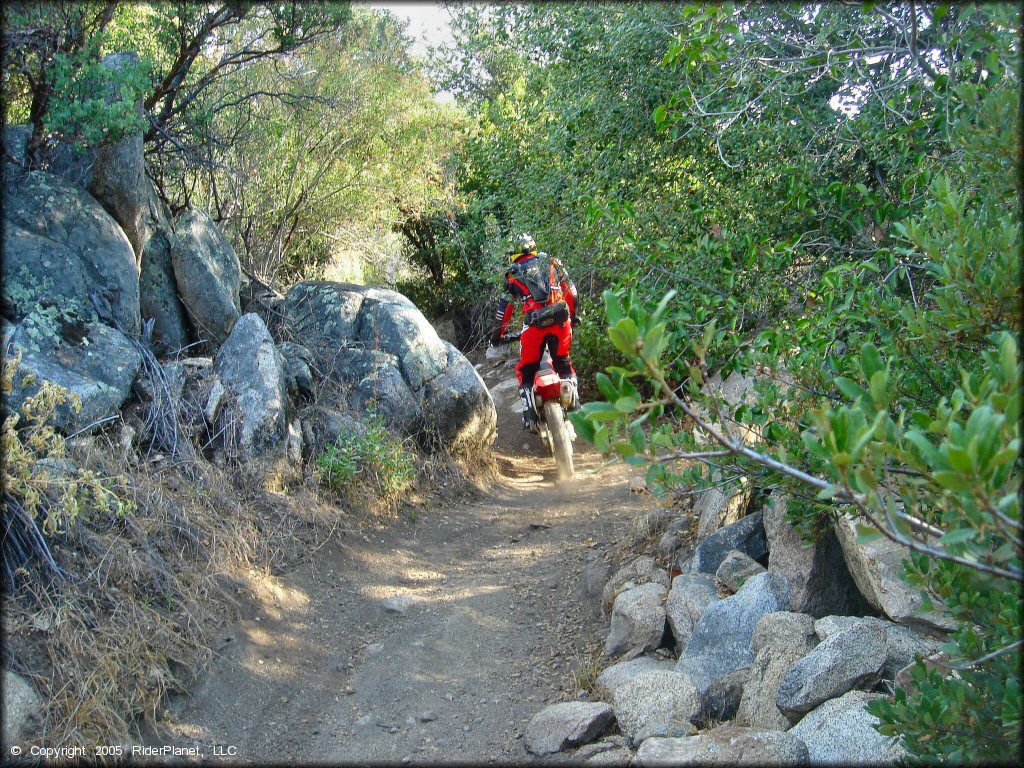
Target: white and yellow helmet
<point>521,245</point>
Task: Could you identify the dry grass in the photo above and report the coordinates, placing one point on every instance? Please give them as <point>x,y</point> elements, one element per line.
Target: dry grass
<point>148,589</point>
<point>587,665</point>
<point>144,591</point>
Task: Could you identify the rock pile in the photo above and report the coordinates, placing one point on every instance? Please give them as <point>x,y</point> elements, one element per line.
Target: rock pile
<point>763,648</point>
<point>97,275</point>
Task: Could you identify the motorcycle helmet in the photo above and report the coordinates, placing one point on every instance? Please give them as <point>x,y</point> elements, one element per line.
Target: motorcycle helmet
<point>521,245</point>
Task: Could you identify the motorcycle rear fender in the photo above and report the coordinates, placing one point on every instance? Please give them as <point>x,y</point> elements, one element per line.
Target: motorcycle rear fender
<point>547,386</point>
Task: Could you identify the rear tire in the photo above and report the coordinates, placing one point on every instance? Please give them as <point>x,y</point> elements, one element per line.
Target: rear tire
<point>561,445</point>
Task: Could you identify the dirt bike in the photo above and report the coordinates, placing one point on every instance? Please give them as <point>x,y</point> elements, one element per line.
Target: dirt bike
<point>551,397</point>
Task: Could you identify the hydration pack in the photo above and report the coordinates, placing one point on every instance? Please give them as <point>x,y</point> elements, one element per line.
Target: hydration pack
<point>541,278</point>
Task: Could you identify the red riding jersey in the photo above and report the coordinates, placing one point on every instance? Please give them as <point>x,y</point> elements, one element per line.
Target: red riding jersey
<point>538,280</point>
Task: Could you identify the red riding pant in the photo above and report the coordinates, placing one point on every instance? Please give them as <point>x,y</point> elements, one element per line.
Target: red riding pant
<point>557,339</point>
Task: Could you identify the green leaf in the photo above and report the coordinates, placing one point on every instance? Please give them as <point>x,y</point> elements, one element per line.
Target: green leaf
<point>871,361</point>
<point>851,389</point>
<point>1008,357</point>
<point>1005,456</point>
<point>654,342</point>
<point>584,427</point>
<point>662,305</point>
<point>880,389</point>
<point>958,536</point>
<point>814,445</point>
<point>842,460</point>
<point>624,449</point>
<point>636,460</point>
<point>659,115</point>
<point>654,472</point>
<point>708,335</point>
<point>868,433</point>
<point>627,389</point>
<point>954,481</point>
<point>612,307</point>
<point>827,493</point>
<point>638,439</point>
<point>960,459</point>
<point>627,404</point>
<point>607,388</point>
<point>604,414</point>
<point>924,446</point>
<point>624,335</point>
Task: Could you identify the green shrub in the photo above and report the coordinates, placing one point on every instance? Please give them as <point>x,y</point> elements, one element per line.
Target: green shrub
<point>43,492</point>
<point>373,460</point>
<point>901,405</point>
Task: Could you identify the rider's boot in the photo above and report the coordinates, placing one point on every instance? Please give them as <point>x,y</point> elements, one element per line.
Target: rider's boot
<point>529,417</point>
<point>575,404</point>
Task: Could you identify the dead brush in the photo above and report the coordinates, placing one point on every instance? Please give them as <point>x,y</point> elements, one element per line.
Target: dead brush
<point>109,658</point>
<point>131,623</point>
<point>586,668</point>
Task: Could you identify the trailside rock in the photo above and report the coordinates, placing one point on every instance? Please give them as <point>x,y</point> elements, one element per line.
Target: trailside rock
<point>617,756</point>
<point>297,373</point>
<point>662,729</point>
<point>389,322</point>
<point>690,595</point>
<point>208,276</point>
<point>93,361</point>
<point>158,289</point>
<point>640,570</point>
<point>779,641</point>
<point>353,364</point>
<point>819,581</point>
<point>594,577</point>
<point>20,702</point>
<point>638,620</point>
<point>746,535</point>
<point>251,371</point>
<point>841,732</point>
<point>118,171</point>
<point>322,427</point>
<point>655,696</point>
<point>15,139</point>
<point>459,406</point>
<point>617,675</point>
<point>736,569</point>
<point>566,725</point>
<point>726,745</point>
<point>606,744</point>
<point>722,699</point>
<point>384,392</point>
<point>849,659</point>
<point>714,509</point>
<point>324,316</point>
<point>378,341</point>
<point>876,567</point>
<point>60,249</point>
<point>721,640</point>
<point>902,643</point>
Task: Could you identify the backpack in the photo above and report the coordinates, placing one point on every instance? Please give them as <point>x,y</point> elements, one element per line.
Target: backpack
<point>540,277</point>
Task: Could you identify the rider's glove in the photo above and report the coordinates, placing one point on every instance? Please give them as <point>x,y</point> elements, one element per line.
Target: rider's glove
<point>495,339</point>
<point>575,321</point>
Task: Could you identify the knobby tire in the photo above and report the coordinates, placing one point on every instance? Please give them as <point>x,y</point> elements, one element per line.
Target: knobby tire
<point>561,445</point>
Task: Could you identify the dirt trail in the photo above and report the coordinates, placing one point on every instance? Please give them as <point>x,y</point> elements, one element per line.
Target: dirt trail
<point>490,624</point>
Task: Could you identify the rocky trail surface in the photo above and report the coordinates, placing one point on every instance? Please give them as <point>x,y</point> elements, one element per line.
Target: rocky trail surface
<point>428,640</point>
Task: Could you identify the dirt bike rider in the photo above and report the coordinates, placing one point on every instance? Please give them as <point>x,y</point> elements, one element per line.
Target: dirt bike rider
<point>549,315</point>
